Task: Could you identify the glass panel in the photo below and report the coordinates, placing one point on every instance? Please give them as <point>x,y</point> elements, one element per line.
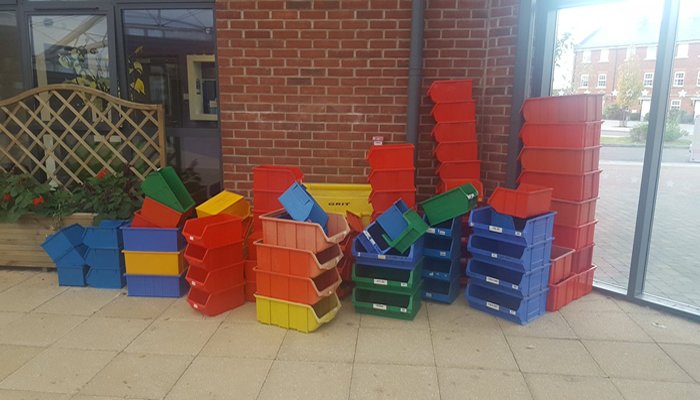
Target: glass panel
<point>583,33</point>
<point>197,161</point>
<point>10,65</point>
<point>673,270</point>
<point>70,49</point>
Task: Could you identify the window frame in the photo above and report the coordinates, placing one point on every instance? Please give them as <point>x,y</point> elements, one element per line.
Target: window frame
<point>587,80</point>
<point>676,78</point>
<point>675,105</point>
<point>650,79</point>
<point>605,81</point>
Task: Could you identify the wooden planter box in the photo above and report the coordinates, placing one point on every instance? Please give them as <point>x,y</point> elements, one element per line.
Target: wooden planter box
<point>20,242</point>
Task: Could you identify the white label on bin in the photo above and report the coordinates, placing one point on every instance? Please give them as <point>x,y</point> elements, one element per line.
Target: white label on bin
<point>443,254</point>
<point>496,229</point>
<point>403,310</point>
<point>428,294</point>
<point>379,306</point>
<point>381,257</point>
<point>191,238</point>
<point>443,233</point>
<point>404,284</point>
<point>193,283</point>
<point>512,312</point>
<point>195,306</point>
<point>515,287</point>
<point>382,282</point>
<point>518,233</point>
<point>492,280</point>
<point>493,306</point>
<point>431,230</point>
<point>494,255</point>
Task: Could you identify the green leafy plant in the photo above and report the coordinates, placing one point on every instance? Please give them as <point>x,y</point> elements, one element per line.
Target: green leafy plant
<point>111,196</point>
<point>672,130</point>
<point>21,194</point>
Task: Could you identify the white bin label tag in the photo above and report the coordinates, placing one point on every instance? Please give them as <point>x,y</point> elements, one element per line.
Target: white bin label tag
<point>381,257</point>
<point>493,306</point>
<point>443,254</point>
<point>431,230</point>
<point>512,312</point>
<point>382,282</point>
<point>494,255</point>
<point>518,233</point>
<point>515,287</point>
<point>443,233</point>
<point>428,294</point>
<point>404,284</point>
<point>496,229</point>
<point>403,310</point>
<point>191,238</point>
<point>379,306</point>
<point>492,280</point>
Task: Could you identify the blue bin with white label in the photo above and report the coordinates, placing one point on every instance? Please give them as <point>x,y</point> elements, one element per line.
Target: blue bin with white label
<point>509,255</point>
<point>508,281</point>
<point>373,239</point>
<point>450,228</point>
<point>391,259</point>
<point>521,310</point>
<point>443,247</point>
<point>441,269</point>
<point>440,291</point>
<point>486,222</point>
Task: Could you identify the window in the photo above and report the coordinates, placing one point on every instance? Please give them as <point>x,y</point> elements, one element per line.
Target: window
<point>604,54</point>
<point>630,53</point>
<point>682,51</point>
<point>651,53</point>
<point>584,80</point>
<point>679,79</point>
<point>586,57</point>
<point>649,79</point>
<point>602,81</point>
<point>10,68</point>
<point>675,105</point>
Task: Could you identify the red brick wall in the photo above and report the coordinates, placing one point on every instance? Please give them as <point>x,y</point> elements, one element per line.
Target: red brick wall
<point>309,83</point>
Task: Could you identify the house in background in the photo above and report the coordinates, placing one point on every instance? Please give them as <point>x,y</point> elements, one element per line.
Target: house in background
<point>599,56</point>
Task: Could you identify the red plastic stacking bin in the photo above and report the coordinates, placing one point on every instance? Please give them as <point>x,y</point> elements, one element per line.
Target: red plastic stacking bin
<point>574,237</point>
<point>211,259</point>
<point>296,262</point>
<point>584,282</point>
<point>569,135</point>
<point>572,187</point>
<point>295,288</point>
<point>457,151</point>
<point>455,112</point>
<point>459,169</point>
<point>569,161</point>
<point>448,184</point>
<point>250,288</point>
<point>214,303</point>
<point>265,201</point>
<point>524,202</point>
<point>392,179</point>
<point>139,221</point>
<point>276,178</point>
<point>454,131</point>
<point>391,156</point>
<point>574,108</point>
<point>161,215</point>
<point>354,222</point>
<point>218,279</point>
<point>248,272</point>
<point>280,230</point>
<point>451,90</point>
<point>561,264</point>
<point>574,212</point>
<point>582,259</point>
<point>381,200</point>
<point>251,254</point>
<point>214,231</point>
<point>562,293</point>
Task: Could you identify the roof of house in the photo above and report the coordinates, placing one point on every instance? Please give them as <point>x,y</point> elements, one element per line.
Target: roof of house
<point>639,31</point>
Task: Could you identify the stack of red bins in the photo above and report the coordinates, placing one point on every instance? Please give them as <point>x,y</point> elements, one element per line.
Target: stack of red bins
<point>269,182</point>
<point>455,134</point>
<point>561,138</point>
<point>215,256</point>
<point>392,176</point>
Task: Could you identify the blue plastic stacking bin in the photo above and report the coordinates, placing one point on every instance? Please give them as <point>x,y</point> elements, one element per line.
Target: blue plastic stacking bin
<point>373,240</point>
<point>301,206</point>
<point>61,242</point>
<point>392,220</point>
<point>105,259</point>
<point>105,278</point>
<point>444,247</point>
<point>74,257</point>
<point>157,286</point>
<point>509,255</point>
<point>440,291</point>
<point>515,309</point>
<point>72,275</point>
<point>488,223</point>
<point>162,240</point>
<point>391,259</point>
<point>440,268</point>
<point>104,236</point>
<point>508,281</point>
<point>450,228</point>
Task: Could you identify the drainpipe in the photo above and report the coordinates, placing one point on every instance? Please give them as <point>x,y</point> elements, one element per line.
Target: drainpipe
<point>415,72</point>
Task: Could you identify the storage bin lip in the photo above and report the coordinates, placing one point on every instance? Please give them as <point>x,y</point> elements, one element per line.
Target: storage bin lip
<point>310,253</point>
<point>319,291</point>
<point>576,203</point>
<point>569,279</point>
<point>239,264</point>
<point>273,216</point>
<point>128,227</point>
<point>559,149</point>
<point>331,312</point>
<point>561,253</point>
<point>552,124</point>
<point>577,175</point>
<point>577,226</point>
<point>160,253</point>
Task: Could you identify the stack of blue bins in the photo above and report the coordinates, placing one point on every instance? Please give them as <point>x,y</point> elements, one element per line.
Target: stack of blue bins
<point>441,268</point>
<point>104,255</point>
<point>66,250</point>
<point>509,269</point>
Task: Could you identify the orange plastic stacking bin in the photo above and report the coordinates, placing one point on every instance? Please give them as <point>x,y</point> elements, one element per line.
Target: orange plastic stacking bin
<point>392,179</point>
<point>451,90</point>
<point>459,169</point>
<point>572,187</point>
<point>569,161</point>
<point>524,202</point>
<point>218,257</point>
<point>214,303</point>
<point>454,112</point>
<point>457,151</point>
<point>296,262</point>
<point>561,293</point>
<point>139,221</point>
<point>448,184</point>
<point>214,231</point>
<point>584,282</point>
<point>280,230</point>
<point>248,272</point>
<point>454,131</point>
<point>574,237</point>
<point>582,259</point>
<point>216,280</point>
<point>574,212</point>
<point>574,108</point>
<point>161,215</point>
<point>561,264</point>
<point>391,156</point>
<point>558,135</point>
<point>276,178</point>
<point>295,288</point>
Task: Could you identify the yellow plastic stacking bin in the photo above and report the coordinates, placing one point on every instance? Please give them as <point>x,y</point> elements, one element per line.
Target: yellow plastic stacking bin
<point>301,317</point>
<point>154,263</point>
<point>339,198</point>
<point>224,203</point>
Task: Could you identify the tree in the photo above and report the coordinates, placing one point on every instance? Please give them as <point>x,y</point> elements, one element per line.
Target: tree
<point>629,87</point>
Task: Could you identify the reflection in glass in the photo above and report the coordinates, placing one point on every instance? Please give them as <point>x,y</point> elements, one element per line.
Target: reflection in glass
<point>10,66</point>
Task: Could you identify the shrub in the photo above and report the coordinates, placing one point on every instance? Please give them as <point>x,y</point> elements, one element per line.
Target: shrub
<point>613,111</point>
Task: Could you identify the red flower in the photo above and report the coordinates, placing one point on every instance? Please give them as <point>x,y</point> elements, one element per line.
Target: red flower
<point>38,200</point>
<point>102,173</point>
<point>7,198</point>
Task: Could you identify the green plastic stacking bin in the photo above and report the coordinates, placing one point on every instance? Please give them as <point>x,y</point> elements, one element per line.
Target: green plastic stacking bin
<point>416,228</point>
<point>386,304</point>
<point>393,280</point>
<point>165,187</point>
<point>451,204</point>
